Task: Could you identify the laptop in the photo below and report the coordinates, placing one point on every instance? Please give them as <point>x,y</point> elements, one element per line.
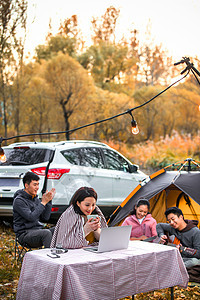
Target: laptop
<point>112,238</point>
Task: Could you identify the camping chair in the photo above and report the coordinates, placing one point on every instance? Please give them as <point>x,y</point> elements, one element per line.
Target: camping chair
<point>20,250</point>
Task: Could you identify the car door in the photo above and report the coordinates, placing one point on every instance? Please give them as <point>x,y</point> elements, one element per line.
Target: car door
<point>88,168</point>
<point>98,177</point>
<point>123,181</point>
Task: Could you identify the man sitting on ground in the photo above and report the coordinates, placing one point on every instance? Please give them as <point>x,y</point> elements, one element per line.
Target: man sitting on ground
<point>185,231</point>
<point>28,210</point>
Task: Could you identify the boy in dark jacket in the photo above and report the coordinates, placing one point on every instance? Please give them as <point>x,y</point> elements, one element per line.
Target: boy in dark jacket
<point>28,209</point>
<point>185,231</point>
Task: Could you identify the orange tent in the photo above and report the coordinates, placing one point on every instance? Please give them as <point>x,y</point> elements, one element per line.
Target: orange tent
<point>164,189</point>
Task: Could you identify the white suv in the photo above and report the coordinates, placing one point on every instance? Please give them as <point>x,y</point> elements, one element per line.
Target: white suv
<point>66,166</point>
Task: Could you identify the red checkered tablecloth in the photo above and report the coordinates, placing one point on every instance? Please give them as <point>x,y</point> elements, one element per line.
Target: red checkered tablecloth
<point>83,275</point>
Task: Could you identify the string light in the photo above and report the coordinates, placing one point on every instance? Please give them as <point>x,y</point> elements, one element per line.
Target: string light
<point>2,155</point>
<point>134,127</point>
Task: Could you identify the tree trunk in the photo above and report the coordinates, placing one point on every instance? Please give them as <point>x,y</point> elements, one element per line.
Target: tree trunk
<point>4,106</point>
<point>66,117</point>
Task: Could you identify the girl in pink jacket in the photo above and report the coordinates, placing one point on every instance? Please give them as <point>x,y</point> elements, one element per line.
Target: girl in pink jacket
<point>143,224</point>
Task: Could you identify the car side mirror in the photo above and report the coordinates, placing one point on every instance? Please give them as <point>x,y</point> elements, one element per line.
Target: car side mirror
<point>133,168</point>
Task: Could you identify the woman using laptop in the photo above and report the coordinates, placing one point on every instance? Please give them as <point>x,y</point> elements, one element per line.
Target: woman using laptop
<point>143,224</point>
<point>81,223</point>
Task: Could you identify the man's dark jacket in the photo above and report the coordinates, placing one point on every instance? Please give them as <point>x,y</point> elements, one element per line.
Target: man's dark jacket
<point>189,236</point>
<point>28,211</point>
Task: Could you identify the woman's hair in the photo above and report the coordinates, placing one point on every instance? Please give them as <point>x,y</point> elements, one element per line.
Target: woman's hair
<point>141,201</point>
<point>80,195</point>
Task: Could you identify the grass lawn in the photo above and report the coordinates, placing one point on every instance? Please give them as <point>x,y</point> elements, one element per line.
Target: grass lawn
<point>10,271</point>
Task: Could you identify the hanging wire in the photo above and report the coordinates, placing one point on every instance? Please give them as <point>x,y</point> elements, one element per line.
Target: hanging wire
<point>195,76</point>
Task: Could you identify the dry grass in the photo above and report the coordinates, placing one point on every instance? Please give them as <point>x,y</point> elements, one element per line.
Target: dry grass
<point>9,269</point>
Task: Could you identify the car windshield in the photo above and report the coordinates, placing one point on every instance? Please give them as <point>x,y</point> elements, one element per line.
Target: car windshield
<point>26,156</point>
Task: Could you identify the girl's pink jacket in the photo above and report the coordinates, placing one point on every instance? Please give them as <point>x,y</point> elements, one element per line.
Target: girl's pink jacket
<point>147,228</point>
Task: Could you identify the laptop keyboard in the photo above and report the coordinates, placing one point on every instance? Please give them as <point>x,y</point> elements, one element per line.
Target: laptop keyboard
<point>95,248</point>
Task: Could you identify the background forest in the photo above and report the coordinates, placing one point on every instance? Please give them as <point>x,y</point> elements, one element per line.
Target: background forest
<point>67,85</point>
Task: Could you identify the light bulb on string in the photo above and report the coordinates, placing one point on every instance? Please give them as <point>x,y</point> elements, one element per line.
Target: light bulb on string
<point>2,156</point>
<point>134,129</point>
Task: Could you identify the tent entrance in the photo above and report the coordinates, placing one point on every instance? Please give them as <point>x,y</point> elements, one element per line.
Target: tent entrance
<point>172,196</point>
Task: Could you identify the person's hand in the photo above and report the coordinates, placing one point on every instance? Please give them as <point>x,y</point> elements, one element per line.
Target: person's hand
<point>163,239</point>
<point>91,225</point>
<point>94,224</point>
<point>53,192</point>
<point>179,247</point>
<point>48,196</point>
